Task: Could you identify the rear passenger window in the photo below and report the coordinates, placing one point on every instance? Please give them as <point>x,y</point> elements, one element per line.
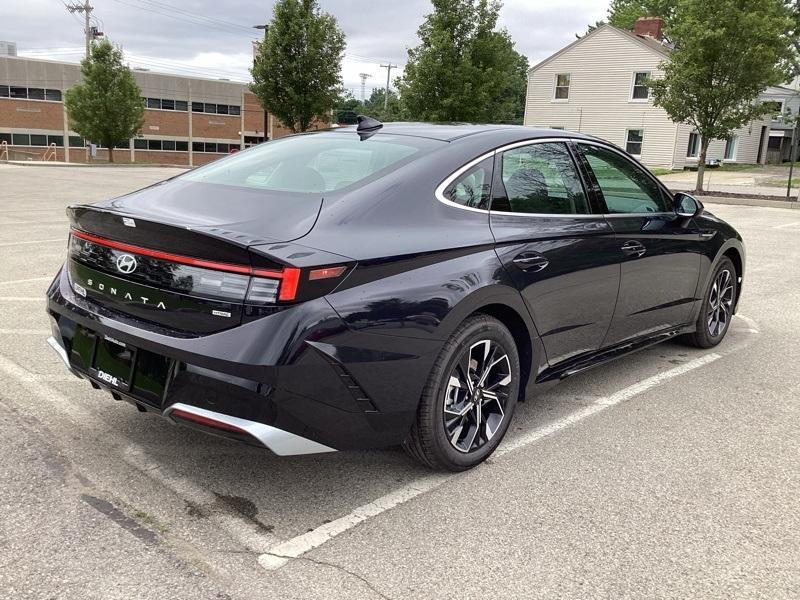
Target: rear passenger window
<point>472,188</point>
<point>541,179</point>
<point>626,187</point>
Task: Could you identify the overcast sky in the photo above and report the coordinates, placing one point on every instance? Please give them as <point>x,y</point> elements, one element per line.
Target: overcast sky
<point>212,38</point>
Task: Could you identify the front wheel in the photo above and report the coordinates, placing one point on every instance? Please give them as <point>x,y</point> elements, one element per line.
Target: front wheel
<point>716,312</point>
<point>469,399</point>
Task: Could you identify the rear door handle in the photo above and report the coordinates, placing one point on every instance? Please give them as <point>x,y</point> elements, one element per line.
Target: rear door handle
<point>633,248</point>
<point>530,261</point>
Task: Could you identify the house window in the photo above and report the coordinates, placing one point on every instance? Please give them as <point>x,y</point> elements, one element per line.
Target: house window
<point>773,108</point>
<point>640,89</point>
<point>730,148</point>
<point>694,145</point>
<point>562,86</point>
<point>633,142</point>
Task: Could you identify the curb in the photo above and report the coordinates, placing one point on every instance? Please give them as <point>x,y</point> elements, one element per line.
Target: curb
<point>764,203</point>
<point>35,163</point>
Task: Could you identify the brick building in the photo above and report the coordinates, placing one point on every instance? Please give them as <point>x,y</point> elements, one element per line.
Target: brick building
<point>188,121</point>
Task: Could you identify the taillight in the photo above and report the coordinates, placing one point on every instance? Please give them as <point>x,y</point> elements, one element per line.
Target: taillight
<point>265,286</point>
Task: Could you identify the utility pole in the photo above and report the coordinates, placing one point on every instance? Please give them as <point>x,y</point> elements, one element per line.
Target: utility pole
<point>388,68</point>
<point>363,85</point>
<point>265,28</point>
<point>86,9</point>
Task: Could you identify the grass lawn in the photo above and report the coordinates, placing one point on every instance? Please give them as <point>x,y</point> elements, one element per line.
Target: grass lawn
<point>782,182</point>
<point>658,172</point>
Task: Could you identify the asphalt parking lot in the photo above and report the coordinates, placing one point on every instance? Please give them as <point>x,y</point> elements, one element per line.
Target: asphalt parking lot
<point>674,473</point>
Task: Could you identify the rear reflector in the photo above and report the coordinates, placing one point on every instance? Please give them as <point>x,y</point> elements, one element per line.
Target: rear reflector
<point>326,273</point>
<point>200,420</point>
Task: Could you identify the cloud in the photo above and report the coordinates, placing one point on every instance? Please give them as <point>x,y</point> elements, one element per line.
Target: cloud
<point>213,38</point>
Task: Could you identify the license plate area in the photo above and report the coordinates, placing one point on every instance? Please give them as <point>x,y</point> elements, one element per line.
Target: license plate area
<point>113,363</point>
<point>120,366</point>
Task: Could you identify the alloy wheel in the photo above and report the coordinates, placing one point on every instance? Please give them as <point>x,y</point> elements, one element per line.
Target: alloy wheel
<point>720,303</point>
<point>476,396</point>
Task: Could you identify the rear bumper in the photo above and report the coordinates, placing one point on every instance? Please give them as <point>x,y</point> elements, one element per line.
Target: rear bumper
<point>297,381</point>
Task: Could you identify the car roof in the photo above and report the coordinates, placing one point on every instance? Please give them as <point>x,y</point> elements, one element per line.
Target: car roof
<point>448,132</point>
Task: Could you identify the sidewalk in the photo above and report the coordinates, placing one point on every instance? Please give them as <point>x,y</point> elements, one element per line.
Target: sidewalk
<point>758,182</point>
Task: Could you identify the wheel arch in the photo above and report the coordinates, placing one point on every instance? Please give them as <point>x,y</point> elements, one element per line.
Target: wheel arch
<point>505,304</point>
<point>737,259</point>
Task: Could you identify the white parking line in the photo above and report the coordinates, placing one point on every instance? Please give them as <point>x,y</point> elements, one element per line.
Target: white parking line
<point>787,225</point>
<point>51,240</point>
<point>41,332</point>
<point>241,529</point>
<point>25,280</point>
<point>296,547</point>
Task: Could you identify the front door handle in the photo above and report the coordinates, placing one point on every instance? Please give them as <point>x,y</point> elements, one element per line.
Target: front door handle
<point>531,262</point>
<point>633,248</point>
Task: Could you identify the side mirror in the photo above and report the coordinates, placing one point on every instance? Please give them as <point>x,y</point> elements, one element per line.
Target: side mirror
<point>686,206</point>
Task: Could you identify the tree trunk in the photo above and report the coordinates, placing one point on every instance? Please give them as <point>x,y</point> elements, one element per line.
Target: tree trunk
<point>701,166</point>
<point>111,153</point>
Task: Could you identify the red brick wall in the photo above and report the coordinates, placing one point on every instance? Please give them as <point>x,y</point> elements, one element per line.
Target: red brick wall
<point>31,114</point>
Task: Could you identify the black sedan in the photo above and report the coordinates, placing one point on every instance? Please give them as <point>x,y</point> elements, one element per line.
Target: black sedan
<point>385,284</point>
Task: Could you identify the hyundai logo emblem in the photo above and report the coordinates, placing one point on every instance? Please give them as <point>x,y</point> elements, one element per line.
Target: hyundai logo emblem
<point>126,263</point>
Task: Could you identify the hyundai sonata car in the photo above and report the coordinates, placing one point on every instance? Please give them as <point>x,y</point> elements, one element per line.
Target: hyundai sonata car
<point>398,284</point>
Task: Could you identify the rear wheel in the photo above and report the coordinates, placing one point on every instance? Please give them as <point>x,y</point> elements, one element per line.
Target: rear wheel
<point>470,396</point>
<point>716,312</point>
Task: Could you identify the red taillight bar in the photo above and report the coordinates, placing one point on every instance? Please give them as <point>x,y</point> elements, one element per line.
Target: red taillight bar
<point>289,276</point>
<point>201,420</point>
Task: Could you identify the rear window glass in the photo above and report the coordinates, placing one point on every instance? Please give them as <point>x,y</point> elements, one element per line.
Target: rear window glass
<point>313,163</point>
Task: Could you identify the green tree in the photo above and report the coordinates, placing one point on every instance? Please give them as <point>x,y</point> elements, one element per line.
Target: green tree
<point>727,52</point>
<point>297,70</point>
<point>107,107</point>
<point>623,13</point>
<point>347,108</point>
<point>463,69</point>
<point>374,106</point>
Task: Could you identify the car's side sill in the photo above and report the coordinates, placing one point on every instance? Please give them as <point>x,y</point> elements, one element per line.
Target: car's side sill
<point>594,359</point>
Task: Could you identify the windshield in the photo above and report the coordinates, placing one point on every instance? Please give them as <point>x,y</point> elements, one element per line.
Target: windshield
<point>312,163</point>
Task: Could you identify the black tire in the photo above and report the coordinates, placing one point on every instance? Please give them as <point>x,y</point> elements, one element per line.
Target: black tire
<point>710,332</point>
<point>440,439</point>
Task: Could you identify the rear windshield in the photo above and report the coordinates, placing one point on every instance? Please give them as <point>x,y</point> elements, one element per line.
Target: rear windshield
<point>312,163</point>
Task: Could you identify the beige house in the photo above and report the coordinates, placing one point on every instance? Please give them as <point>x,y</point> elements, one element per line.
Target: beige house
<point>594,86</point>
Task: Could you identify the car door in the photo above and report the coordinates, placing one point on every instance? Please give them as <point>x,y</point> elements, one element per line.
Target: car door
<point>560,255</point>
<point>660,253</point>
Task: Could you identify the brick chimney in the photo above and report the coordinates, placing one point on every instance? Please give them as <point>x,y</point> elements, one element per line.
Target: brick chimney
<point>650,26</point>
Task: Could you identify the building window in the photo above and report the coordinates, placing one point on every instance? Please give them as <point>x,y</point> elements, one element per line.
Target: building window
<point>53,95</point>
<point>633,142</point>
<point>182,146</point>
<point>197,147</point>
<point>640,89</point>
<point>154,144</point>
<point>730,148</point>
<point>3,91</point>
<point>154,103</point>
<point>58,140</point>
<point>35,94</point>
<point>562,86</point>
<point>234,110</point>
<point>773,109</point>
<point>76,142</point>
<point>168,145</point>
<point>21,139</point>
<point>694,145</point>
<point>181,105</point>
<point>5,137</point>
<point>140,144</point>
<point>167,104</point>
<point>19,92</point>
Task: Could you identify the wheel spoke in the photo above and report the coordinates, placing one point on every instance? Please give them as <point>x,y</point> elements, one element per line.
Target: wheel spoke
<point>476,395</point>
